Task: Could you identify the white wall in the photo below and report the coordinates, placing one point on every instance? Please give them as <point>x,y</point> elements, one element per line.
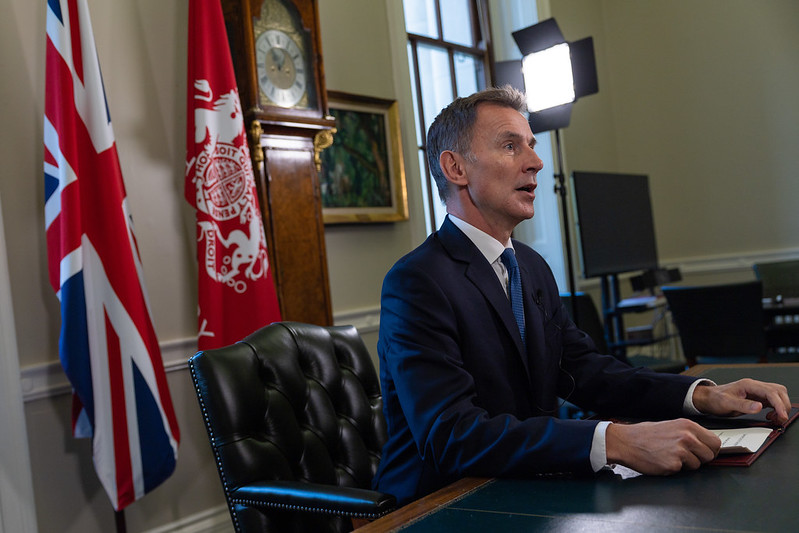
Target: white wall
<point>700,95</point>
<point>17,512</point>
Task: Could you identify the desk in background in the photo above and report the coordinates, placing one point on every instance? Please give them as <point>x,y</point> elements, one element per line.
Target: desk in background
<point>761,497</point>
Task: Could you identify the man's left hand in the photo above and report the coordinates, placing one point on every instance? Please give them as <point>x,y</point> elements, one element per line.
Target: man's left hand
<point>745,396</point>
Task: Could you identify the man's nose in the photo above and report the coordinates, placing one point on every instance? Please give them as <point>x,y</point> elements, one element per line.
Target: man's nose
<point>535,164</point>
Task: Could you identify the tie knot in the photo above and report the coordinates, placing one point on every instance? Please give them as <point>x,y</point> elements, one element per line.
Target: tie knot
<point>509,259</point>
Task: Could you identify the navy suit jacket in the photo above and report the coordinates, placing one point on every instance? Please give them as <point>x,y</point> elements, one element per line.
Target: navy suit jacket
<point>463,397</point>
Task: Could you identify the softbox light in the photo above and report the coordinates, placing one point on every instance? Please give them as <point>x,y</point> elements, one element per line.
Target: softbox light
<point>553,73</point>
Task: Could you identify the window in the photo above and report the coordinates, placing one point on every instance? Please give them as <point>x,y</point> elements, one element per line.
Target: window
<point>449,47</point>
<point>447,51</point>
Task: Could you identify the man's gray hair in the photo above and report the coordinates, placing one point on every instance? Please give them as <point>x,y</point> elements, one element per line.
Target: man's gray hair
<point>453,128</point>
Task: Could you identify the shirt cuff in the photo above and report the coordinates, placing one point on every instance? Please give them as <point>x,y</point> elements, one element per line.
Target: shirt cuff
<point>599,455</point>
<point>688,406</point>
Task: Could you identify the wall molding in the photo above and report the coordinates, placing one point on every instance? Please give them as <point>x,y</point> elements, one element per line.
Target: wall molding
<point>48,379</point>
<point>729,263</point>
<point>365,319</point>
<point>715,264</point>
<point>214,520</point>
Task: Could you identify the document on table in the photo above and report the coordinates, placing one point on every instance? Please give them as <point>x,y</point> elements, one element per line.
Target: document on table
<point>733,441</point>
<point>742,440</point>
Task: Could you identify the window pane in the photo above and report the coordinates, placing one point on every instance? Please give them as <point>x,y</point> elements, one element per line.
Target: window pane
<point>431,198</point>
<point>469,77</point>
<point>436,81</point>
<point>456,19</point>
<point>421,18</point>
<point>426,193</point>
<point>439,209</point>
<point>414,95</point>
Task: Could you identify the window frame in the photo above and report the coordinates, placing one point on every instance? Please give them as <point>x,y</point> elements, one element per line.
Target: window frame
<point>482,50</point>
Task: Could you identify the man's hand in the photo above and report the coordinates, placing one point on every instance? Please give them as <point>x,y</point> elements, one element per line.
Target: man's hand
<point>660,448</point>
<point>745,396</point>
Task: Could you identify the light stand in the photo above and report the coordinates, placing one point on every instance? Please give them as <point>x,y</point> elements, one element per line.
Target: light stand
<point>553,74</point>
<point>560,190</point>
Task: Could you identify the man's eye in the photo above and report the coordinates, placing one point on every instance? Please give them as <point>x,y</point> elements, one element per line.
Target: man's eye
<point>510,146</point>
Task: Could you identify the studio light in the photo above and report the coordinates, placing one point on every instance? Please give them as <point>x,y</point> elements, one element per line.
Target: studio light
<point>553,73</point>
<point>548,78</point>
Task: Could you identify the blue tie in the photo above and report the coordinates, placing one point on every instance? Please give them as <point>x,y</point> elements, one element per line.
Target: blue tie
<point>515,289</point>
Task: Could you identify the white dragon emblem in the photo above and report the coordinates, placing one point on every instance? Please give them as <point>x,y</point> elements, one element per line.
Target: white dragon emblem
<point>225,190</point>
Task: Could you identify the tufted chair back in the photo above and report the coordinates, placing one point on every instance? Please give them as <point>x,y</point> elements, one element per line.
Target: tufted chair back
<point>294,415</point>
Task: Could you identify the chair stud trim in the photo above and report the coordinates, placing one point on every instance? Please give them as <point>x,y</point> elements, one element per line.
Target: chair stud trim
<point>303,508</point>
<point>217,459</point>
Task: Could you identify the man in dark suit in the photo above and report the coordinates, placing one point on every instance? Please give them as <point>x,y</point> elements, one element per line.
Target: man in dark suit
<point>466,392</point>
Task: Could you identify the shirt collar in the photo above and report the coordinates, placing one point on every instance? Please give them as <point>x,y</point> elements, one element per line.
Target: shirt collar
<point>488,245</point>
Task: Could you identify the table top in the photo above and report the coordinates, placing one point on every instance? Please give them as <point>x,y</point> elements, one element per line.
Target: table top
<point>761,497</point>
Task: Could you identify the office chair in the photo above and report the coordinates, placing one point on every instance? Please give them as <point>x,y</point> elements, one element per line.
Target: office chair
<point>294,416</point>
<point>584,313</point>
<point>780,278</point>
<point>719,323</point>
<point>589,321</point>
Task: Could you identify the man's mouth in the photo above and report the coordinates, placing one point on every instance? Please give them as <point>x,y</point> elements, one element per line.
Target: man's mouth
<point>526,188</point>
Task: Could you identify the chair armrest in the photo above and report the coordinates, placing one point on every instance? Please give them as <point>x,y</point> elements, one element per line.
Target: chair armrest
<point>314,497</point>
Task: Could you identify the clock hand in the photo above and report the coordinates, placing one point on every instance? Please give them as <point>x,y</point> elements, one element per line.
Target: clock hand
<point>278,57</point>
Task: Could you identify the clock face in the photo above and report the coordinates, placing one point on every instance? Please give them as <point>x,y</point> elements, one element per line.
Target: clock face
<point>281,68</point>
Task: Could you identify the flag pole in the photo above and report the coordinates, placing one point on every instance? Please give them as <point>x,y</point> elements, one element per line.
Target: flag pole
<point>119,518</point>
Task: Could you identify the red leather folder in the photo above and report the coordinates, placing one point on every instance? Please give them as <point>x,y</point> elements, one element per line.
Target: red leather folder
<point>759,420</point>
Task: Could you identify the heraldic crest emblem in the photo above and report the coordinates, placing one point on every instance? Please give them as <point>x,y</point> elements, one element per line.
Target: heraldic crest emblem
<point>232,233</point>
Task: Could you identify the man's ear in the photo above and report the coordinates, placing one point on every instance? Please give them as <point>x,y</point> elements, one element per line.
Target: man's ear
<point>452,166</point>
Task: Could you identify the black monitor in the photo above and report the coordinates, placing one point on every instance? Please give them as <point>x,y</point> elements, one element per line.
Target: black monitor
<point>614,221</point>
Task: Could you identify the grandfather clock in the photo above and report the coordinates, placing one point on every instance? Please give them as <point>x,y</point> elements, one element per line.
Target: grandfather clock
<point>277,57</point>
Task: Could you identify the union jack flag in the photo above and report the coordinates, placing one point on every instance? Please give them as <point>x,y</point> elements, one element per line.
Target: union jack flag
<point>108,346</point>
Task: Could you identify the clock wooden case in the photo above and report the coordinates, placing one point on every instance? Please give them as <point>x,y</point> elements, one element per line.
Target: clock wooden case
<point>277,57</point>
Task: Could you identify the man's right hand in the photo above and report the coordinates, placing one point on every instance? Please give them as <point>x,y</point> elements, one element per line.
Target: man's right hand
<point>660,448</point>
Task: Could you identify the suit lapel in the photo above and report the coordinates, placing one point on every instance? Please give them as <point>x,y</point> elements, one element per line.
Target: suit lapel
<point>480,273</point>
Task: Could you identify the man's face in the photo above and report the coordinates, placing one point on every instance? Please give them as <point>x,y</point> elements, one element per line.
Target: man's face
<point>502,172</point>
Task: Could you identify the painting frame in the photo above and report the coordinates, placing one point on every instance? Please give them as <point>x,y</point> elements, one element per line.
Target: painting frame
<point>350,174</point>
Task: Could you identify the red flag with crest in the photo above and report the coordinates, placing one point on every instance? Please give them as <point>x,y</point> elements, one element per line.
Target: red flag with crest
<point>236,291</point>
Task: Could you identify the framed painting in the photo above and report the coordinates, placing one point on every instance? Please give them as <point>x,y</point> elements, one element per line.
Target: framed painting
<point>362,177</point>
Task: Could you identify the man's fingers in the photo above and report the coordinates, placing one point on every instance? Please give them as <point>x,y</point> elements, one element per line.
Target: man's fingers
<point>781,404</point>
<point>710,439</point>
<point>746,396</point>
<point>772,395</point>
